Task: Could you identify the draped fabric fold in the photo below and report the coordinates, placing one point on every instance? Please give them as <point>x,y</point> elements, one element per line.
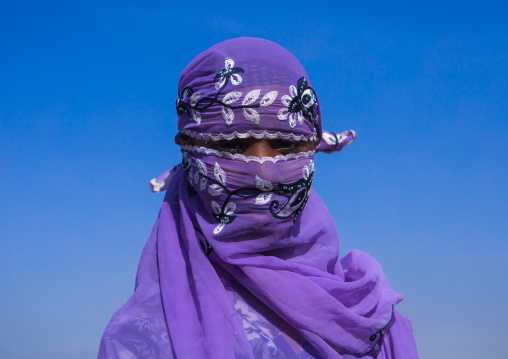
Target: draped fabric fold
<point>335,308</point>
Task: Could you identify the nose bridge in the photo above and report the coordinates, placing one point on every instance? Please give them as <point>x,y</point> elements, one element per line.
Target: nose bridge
<point>261,148</point>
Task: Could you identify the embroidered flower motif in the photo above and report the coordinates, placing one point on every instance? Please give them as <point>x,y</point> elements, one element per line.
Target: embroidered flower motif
<point>191,103</point>
<point>249,113</point>
<point>297,194</point>
<point>300,104</point>
<point>219,174</point>
<point>230,72</point>
<point>200,175</point>
<point>294,195</point>
<point>264,186</point>
<point>193,98</point>
<point>223,216</point>
<point>248,105</point>
<point>215,189</point>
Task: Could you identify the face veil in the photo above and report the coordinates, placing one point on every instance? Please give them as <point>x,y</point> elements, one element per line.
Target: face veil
<point>234,226</point>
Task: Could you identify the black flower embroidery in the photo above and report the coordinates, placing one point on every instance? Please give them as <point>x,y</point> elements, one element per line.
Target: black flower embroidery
<point>229,72</point>
<point>297,193</point>
<point>301,103</point>
<point>188,95</point>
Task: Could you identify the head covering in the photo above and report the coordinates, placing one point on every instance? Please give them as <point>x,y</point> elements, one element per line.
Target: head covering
<point>247,87</point>
<point>235,224</point>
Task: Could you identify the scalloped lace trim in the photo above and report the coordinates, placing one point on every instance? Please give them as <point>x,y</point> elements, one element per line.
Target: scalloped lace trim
<point>239,156</point>
<point>249,134</point>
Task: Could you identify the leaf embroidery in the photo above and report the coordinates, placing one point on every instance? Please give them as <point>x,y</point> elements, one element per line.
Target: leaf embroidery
<point>215,189</point>
<point>231,97</point>
<point>215,207</point>
<point>268,98</point>
<point>194,99</point>
<point>283,114</point>
<point>262,184</point>
<point>251,115</point>
<point>251,97</point>
<point>219,174</point>
<point>218,228</point>
<point>263,198</point>
<point>202,183</point>
<point>305,172</point>
<point>201,167</point>
<point>228,115</point>
<point>196,116</point>
<point>230,208</point>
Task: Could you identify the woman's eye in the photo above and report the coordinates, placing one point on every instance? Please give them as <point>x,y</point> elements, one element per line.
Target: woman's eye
<point>289,146</point>
<point>231,146</point>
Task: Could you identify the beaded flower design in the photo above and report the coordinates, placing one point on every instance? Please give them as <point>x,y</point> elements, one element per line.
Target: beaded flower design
<point>296,194</point>
<point>230,72</point>
<point>192,103</point>
<point>300,103</point>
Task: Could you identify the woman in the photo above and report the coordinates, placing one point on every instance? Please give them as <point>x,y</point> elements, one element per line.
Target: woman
<point>243,261</point>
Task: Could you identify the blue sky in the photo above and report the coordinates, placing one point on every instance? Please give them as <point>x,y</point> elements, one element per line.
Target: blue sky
<point>87,118</point>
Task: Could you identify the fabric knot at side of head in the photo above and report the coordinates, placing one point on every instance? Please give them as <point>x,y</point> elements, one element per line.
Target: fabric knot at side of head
<point>247,87</point>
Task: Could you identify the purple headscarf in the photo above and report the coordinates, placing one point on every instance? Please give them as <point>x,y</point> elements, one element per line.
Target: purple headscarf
<point>235,225</point>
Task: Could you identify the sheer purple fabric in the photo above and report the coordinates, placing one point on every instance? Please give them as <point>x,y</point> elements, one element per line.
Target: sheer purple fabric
<point>243,261</point>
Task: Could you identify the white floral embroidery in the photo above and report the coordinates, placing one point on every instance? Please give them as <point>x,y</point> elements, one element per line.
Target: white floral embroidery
<point>249,113</point>
<point>231,97</point>
<point>251,97</point>
<point>202,183</point>
<point>263,185</point>
<point>194,99</point>
<point>215,207</point>
<point>236,79</point>
<point>214,189</point>
<point>263,198</point>
<point>268,98</point>
<point>201,167</point>
<point>196,116</point>
<point>203,171</point>
<point>219,228</point>
<point>284,112</point>
<point>305,172</point>
<point>228,210</point>
<point>228,115</point>
<point>219,174</point>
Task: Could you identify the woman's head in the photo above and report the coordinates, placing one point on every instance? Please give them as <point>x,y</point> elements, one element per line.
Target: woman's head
<point>247,88</point>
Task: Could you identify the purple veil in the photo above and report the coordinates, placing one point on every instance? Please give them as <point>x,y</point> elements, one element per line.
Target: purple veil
<point>232,226</point>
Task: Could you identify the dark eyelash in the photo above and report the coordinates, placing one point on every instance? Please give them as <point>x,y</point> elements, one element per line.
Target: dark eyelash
<point>231,146</point>
<point>290,144</point>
